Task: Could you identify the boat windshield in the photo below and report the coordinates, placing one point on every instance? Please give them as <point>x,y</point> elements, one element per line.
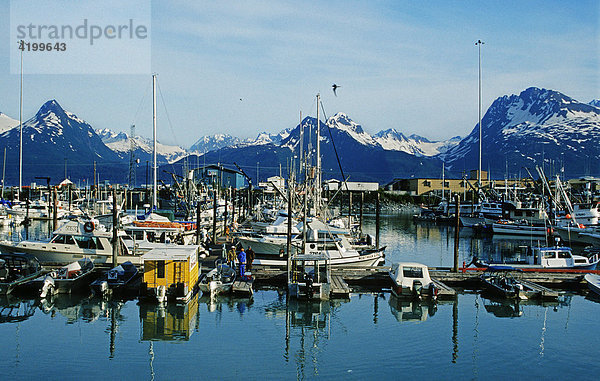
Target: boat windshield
<point>564,254</point>
<point>85,242</point>
<point>412,272</point>
<point>61,238</point>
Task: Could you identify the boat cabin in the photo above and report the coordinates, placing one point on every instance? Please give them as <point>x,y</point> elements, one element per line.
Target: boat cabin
<point>309,276</point>
<point>558,256</point>
<point>171,272</point>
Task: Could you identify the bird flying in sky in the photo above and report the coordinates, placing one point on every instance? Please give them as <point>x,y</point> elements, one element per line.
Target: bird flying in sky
<point>335,87</point>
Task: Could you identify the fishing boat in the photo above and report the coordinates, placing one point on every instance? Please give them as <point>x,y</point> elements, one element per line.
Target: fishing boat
<point>521,227</point>
<point>171,273</point>
<point>116,279</point>
<point>66,279</point>
<point>309,276</point>
<point>555,257</point>
<point>71,242</point>
<point>411,280</point>
<point>218,280</point>
<point>16,270</point>
<point>593,282</point>
<point>320,239</point>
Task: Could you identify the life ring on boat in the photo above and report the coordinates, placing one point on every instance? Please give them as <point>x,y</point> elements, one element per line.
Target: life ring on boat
<point>88,227</point>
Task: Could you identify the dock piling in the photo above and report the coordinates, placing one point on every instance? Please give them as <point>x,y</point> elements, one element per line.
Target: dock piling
<point>456,232</point>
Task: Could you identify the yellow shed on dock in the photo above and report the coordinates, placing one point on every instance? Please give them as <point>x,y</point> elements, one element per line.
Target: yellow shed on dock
<point>171,272</point>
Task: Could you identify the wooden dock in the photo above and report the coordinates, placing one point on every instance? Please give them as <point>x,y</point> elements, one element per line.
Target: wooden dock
<point>339,288</point>
<point>378,278</point>
<point>243,287</point>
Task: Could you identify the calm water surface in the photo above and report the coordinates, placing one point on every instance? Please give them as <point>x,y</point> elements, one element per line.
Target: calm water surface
<point>370,336</point>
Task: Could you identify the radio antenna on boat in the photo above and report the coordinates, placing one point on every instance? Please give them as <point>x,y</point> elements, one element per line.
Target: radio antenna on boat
<point>21,130</point>
<point>154,205</point>
<point>479,43</point>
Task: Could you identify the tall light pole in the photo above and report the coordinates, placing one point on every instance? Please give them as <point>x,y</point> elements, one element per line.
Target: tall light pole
<point>479,43</point>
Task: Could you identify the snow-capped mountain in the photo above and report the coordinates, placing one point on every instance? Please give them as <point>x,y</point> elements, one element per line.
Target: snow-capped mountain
<point>394,140</point>
<point>6,122</point>
<point>537,126</point>
<point>214,142</point>
<point>595,103</point>
<point>55,139</point>
<point>121,144</point>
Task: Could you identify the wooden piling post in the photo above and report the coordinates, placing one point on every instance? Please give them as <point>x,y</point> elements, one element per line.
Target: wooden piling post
<point>198,213</point>
<point>233,205</point>
<point>360,219</point>
<point>214,224</point>
<point>377,220</point>
<point>115,223</point>
<point>456,232</point>
<point>54,209</point>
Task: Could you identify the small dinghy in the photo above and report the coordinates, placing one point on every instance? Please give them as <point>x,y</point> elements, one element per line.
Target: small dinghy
<point>218,280</point>
<point>67,279</point>
<point>116,279</point>
<point>593,281</point>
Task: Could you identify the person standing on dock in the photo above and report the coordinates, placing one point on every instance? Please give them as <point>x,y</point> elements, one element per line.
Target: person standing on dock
<point>231,257</point>
<point>242,261</point>
<point>250,257</point>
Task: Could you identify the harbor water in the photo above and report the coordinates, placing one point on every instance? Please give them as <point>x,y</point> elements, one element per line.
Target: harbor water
<point>373,335</point>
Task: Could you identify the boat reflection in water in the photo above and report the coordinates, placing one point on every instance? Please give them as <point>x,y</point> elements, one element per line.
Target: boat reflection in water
<point>512,308</point>
<point>414,310</point>
<point>14,309</point>
<point>77,307</point>
<point>226,303</point>
<point>168,322</point>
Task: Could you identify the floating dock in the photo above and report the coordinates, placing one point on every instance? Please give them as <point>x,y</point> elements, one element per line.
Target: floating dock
<point>339,288</point>
<point>243,287</point>
<point>378,277</point>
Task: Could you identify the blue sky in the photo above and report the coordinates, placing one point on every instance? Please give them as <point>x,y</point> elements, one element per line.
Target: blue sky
<point>411,66</point>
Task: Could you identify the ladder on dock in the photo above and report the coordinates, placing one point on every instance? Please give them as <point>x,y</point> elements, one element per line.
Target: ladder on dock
<point>339,287</point>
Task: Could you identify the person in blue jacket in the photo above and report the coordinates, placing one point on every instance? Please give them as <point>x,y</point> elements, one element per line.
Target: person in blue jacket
<point>242,261</point>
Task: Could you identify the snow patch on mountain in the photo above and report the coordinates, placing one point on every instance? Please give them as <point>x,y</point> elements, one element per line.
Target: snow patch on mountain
<point>6,122</point>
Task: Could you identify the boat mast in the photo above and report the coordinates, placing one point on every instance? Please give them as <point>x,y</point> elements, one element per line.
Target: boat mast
<point>479,43</point>
<point>318,174</point>
<point>154,205</point>
<point>21,131</point>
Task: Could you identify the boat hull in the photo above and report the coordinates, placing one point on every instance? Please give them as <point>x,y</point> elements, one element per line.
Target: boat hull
<point>365,260</point>
<point>526,230</point>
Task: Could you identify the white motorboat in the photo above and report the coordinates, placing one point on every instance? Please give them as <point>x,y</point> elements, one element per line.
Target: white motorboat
<point>71,242</point>
<point>411,280</point>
